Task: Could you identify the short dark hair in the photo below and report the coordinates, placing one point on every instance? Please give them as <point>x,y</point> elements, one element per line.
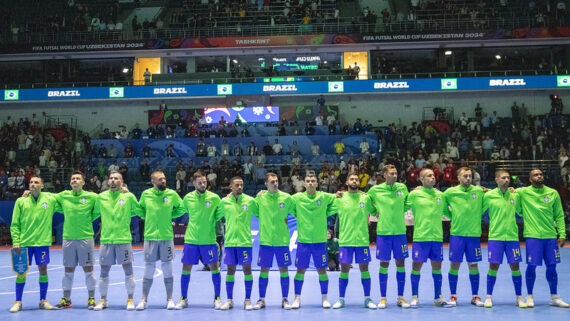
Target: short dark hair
<point>235,178</point>
<point>501,171</point>
<point>310,174</point>
<point>463,169</point>
<point>268,175</point>
<point>115,172</point>
<point>76,172</point>
<point>38,176</point>
<point>156,172</point>
<point>197,175</point>
<point>387,167</point>
<point>535,169</point>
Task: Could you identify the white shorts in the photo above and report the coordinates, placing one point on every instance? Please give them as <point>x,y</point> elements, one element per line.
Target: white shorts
<point>110,254</point>
<point>78,252</point>
<point>158,250</point>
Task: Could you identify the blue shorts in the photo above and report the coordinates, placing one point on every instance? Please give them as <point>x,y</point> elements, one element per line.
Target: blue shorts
<point>539,249</point>
<point>266,253</point>
<point>512,250</point>
<point>361,254</point>
<point>388,244</point>
<point>238,255</point>
<point>468,245</point>
<point>41,253</point>
<point>422,251</point>
<point>317,250</point>
<point>192,253</point>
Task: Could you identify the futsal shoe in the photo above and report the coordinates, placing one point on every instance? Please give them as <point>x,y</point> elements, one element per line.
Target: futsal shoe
<point>556,301</point>
<point>296,302</point>
<point>182,304</point>
<point>90,303</point>
<point>65,303</point>
<point>369,304</point>
<point>402,303</point>
<point>339,304</point>
<point>476,301</point>
<point>45,305</point>
<point>326,303</point>
<point>170,305</point>
<point>217,304</point>
<point>259,305</point>
<point>142,305</point>
<point>247,305</point>
<point>285,304</point>
<point>17,307</point>
<point>519,301</point>
<point>101,305</point>
<point>382,304</point>
<point>530,301</point>
<point>440,302</point>
<point>130,305</point>
<point>488,301</point>
<point>229,304</point>
<point>453,300</point>
<point>415,302</point>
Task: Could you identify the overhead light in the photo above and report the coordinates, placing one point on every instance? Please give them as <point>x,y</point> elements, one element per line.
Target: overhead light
<point>448,52</point>
<point>125,70</point>
<point>326,61</point>
<point>498,57</point>
<point>235,61</point>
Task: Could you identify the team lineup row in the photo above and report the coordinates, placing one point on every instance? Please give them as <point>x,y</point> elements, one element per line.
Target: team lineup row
<point>540,207</point>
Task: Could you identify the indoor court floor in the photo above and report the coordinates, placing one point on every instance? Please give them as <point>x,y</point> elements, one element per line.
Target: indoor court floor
<point>201,295</point>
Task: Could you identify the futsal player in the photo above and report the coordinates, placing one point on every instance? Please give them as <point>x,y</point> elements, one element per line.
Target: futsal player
<point>116,209</point>
<point>427,207</point>
<point>159,205</point>
<point>200,237</point>
<point>544,231</point>
<point>237,208</point>
<point>503,235</point>
<point>353,209</point>
<point>31,228</point>
<point>389,199</point>
<point>465,201</point>
<point>312,208</point>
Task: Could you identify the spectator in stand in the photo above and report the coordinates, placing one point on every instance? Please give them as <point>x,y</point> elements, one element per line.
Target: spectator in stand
<point>252,149</point>
<point>201,148</point>
<point>129,150</point>
<point>448,173</point>
<point>339,147</point>
<point>146,151</point>
<point>212,150</point>
<point>285,171</point>
<point>357,127</point>
<point>112,151</point>
<point>277,148</point>
<point>319,119</point>
<point>309,130</point>
<point>170,152</point>
<point>364,147</point>
<point>267,149</point>
<point>315,149</point>
<point>321,101</point>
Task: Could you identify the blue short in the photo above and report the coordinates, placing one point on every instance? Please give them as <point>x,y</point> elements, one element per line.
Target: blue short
<point>266,253</point>
<point>539,249</point>
<point>238,255</point>
<point>41,253</point>
<point>422,251</point>
<point>512,250</point>
<point>388,244</point>
<point>317,250</point>
<point>192,253</point>
<point>470,246</point>
<point>361,254</point>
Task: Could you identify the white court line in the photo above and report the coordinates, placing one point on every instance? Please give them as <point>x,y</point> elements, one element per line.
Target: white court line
<point>158,273</point>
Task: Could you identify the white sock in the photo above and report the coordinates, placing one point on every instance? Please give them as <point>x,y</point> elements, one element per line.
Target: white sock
<point>90,283</point>
<point>103,286</point>
<point>67,284</point>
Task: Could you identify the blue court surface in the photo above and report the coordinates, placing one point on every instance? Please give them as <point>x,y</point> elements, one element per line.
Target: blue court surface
<point>201,295</point>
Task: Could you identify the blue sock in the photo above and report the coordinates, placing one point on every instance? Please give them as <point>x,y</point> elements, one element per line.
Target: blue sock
<point>383,278</point>
<point>530,276</point>
<point>230,281</point>
<point>342,284</point>
<point>248,285</point>
<point>415,278</point>
<point>452,276</point>
<point>366,282</point>
<point>43,286</point>
<point>217,280</point>
<point>324,282</point>
<point>184,281</point>
<point>552,278</point>
<point>437,281</point>
<point>491,279</point>
<point>517,281</point>
<point>474,279</point>
<point>20,283</point>
<point>298,281</point>
<point>284,284</point>
<point>401,279</point>
<point>263,281</point>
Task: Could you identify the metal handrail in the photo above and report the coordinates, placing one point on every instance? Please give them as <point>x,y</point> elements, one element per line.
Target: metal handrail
<point>236,28</point>
<point>336,76</point>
